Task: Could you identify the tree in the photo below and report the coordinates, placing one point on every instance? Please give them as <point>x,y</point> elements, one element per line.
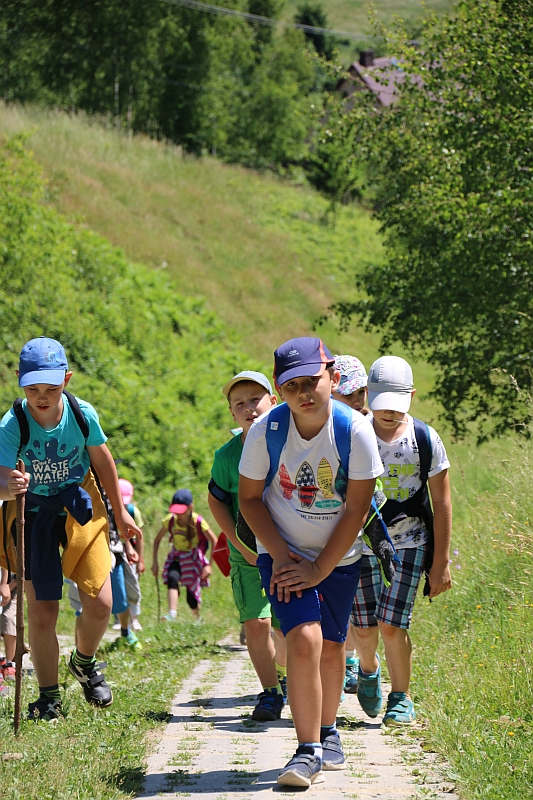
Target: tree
<point>313,14</point>
<point>452,166</point>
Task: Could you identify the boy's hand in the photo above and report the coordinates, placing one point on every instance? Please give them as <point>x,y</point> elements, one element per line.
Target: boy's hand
<point>206,572</point>
<point>17,483</point>
<point>278,581</point>
<point>298,574</point>
<point>5,594</point>
<point>141,566</point>
<point>126,525</point>
<point>155,569</point>
<point>440,579</point>
<point>131,553</point>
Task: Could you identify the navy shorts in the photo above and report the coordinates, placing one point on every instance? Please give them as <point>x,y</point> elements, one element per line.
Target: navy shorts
<point>329,603</point>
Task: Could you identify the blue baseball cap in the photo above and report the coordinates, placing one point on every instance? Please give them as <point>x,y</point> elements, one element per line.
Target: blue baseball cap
<point>181,501</point>
<point>299,358</point>
<point>42,360</point>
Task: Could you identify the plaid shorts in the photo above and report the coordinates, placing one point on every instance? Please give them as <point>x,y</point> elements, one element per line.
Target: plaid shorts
<point>394,606</point>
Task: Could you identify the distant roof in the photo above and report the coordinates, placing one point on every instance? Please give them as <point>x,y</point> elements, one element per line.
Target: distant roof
<point>378,75</point>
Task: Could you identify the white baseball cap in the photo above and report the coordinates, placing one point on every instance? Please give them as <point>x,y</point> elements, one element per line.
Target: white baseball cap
<point>390,383</point>
<point>247,375</point>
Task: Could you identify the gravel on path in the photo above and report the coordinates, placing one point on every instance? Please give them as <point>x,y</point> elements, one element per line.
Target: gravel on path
<point>212,749</point>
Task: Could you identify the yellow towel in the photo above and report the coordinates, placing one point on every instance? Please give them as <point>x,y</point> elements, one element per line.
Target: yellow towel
<point>86,559</point>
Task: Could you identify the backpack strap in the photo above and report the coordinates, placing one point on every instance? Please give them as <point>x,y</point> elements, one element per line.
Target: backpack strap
<point>219,493</point>
<point>22,419</point>
<point>342,431</point>
<point>23,424</point>
<point>425,451</point>
<point>276,435</point>
<point>78,414</point>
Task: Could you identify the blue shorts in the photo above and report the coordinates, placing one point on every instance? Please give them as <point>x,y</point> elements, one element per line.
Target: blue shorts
<point>329,603</point>
<point>118,588</point>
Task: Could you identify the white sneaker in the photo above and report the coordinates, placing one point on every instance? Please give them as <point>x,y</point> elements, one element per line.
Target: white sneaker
<point>117,626</point>
<point>135,624</point>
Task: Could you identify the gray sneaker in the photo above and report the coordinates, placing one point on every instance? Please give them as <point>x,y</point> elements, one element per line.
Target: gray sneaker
<point>332,752</point>
<point>303,769</point>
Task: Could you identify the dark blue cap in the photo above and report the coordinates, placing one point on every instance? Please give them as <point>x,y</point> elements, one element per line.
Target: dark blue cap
<point>42,360</point>
<point>299,358</point>
<point>181,501</point>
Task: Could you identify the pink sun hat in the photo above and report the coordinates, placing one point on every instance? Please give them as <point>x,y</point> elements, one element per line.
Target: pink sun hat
<point>126,490</point>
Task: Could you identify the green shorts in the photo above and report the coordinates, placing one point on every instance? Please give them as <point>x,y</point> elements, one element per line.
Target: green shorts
<point>250,599</point>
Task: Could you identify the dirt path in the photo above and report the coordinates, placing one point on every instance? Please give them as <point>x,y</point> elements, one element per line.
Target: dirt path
<point>211,749</point>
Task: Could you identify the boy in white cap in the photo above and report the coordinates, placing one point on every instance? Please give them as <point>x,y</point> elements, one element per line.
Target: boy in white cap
<point>413,459</point>
<point>249,395</point>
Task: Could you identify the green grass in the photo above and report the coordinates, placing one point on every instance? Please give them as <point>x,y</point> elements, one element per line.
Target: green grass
<point>100,755</point>
<point>352,16</point>
<point>264,254</point>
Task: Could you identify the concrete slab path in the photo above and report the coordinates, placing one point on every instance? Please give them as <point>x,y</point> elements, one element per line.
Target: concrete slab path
<point>212,749</point>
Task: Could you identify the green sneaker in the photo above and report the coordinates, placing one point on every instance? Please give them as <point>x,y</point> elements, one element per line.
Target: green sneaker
<point>131,641</point>
<point>369,691</point>
<point>400,710</point>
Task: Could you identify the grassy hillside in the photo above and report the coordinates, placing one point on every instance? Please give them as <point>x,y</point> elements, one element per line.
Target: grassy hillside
<point>352,15</point>
<point>262,253</point>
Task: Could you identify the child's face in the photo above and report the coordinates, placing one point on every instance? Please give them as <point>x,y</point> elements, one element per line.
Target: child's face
<point>355,400</point>
<point>183,519</point>
<point>309,396</point>
<point>44,398</point>
<point>247,401</point>
<point>388,421</point>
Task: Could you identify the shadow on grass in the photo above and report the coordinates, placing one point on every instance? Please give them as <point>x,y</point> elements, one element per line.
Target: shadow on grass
<point>129,780</point>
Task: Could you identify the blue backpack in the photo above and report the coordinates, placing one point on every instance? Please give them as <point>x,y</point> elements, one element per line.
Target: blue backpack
<point>276,435</point>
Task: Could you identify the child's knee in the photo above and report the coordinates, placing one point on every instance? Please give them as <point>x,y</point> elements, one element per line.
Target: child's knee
<point>257,627</point>
<point>390,632</point>
<point>43,614</point>
<point>363,634</point>
<point>305,641</point>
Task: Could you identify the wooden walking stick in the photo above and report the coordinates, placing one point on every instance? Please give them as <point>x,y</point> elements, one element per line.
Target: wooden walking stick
<point>158,599</point>
<point>21,647</point>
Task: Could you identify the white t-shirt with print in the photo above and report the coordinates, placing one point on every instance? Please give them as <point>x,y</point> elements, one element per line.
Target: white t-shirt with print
<point>302,499</point>
<point>401,480</point>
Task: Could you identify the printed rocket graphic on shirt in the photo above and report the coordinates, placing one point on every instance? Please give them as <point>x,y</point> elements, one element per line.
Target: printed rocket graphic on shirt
<point>285,482</point>
<point>305,481</point>
<point>325,479</point>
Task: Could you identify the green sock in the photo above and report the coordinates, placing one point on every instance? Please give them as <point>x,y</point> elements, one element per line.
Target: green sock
<point>274,689</point>
<point>50,692</point>
<point>281,671</point>
<point>80,660</point>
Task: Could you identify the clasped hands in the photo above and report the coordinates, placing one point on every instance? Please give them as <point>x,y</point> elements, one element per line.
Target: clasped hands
<point>293,574</point>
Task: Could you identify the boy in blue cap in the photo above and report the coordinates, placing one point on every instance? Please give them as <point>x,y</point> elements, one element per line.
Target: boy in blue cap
<point>59,437</point>
<point>306,515</point>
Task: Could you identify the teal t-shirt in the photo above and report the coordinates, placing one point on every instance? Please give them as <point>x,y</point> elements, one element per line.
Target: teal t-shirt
<point>54,458</point>
<point>225,473</point>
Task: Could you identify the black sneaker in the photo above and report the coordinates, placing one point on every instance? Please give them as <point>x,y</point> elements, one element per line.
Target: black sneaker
<point>269,706</point>
<point>303,769</point>
<point>95,689</point>
<point>332,753</point>
<point>45,709</point>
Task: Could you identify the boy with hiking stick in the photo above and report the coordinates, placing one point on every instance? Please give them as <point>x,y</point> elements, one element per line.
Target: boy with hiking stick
<point>306,506</point>
<point>59,438</point>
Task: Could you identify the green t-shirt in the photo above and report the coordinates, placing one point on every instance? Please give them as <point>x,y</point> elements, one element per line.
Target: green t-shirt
<point>225,472</point>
